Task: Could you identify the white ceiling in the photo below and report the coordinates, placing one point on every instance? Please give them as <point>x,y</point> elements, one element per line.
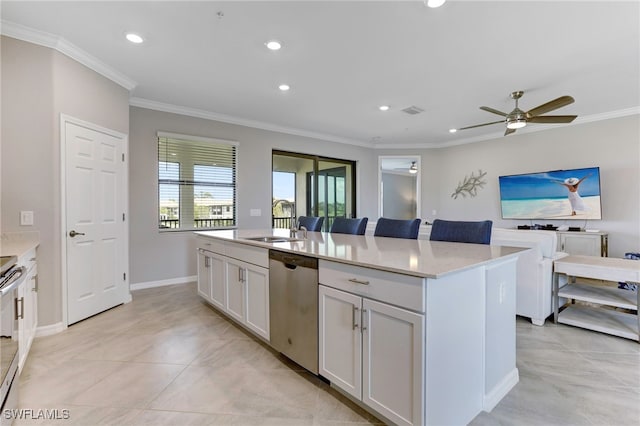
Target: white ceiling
<point>344,59</point>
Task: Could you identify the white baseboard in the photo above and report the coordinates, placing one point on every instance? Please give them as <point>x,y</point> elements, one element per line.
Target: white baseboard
<point>162,283</point>
<point>48,330</point>
<point>491,399</point>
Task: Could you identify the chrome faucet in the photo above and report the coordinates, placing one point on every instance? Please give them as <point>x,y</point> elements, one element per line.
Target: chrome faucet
<point>293,229</point>
<point>304,232</point>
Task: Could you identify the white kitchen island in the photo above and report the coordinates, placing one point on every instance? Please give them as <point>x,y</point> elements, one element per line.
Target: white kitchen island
<point>433,341</point>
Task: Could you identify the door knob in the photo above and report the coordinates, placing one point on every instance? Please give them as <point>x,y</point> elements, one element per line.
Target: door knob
<point>73,233</point>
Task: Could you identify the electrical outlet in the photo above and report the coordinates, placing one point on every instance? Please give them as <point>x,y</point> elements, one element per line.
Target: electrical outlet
<point>255,212</point>
<point>26,218</point>
<point>433,212</point>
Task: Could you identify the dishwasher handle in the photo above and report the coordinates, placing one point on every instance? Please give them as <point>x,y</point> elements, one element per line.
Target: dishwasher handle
<point>292,261</point>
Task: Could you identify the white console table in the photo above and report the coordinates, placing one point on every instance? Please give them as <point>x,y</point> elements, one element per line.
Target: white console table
<point>598,318</point>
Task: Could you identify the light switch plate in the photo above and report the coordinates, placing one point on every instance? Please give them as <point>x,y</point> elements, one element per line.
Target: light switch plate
<point>255,212</point>
<point>26,218</point>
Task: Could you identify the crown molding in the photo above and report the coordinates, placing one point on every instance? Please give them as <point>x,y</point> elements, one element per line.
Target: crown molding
<point>529,129</point>
<point>41,38</point>
<point>208,115</point>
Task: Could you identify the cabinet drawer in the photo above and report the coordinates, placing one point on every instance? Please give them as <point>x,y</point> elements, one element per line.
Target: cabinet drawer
<point>212,245</point>
<point>255,255</point>
<point>396,289</point>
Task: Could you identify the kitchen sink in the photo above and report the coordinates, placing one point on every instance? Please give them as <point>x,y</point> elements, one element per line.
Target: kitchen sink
<point>272,239</point>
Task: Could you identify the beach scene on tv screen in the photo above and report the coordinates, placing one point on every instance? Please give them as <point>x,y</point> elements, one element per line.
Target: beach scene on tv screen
<point>559,194</point>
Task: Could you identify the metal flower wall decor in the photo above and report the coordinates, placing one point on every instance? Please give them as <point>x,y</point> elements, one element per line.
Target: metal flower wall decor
<point>470,185</point>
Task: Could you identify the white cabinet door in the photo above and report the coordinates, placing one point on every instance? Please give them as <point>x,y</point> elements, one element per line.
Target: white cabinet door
<point>581,243</point>
<point>340,339</point>
<point>204,274</point>
<point>27,307</point>
<point>211,285</point>
<point>234,286</point>
<point>256,282</point>
<point>393,362</point>
<point>218,286</point>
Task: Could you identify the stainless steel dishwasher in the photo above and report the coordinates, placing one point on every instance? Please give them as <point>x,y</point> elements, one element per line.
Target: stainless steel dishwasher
<point>293,307</point>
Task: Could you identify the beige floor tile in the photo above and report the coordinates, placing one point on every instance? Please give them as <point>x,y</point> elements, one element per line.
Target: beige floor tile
<point>134,385</point>
<point>83,416</point>
<point>63,383</point>
<point>168,358</point>
<point>242,391</point>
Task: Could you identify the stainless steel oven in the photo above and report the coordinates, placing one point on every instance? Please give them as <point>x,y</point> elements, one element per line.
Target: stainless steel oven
<point>11,312</point>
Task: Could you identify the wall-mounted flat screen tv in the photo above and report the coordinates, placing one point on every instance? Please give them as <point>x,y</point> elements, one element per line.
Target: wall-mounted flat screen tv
<point>558,194</point>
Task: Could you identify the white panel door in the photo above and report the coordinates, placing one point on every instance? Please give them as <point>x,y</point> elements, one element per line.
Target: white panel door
<point>257,299</point>
<point>95,228</point>
<point>211,283</point>
<point>234,289</point>
<point>204,274</point>
<point>340,339</point>
<point>218,291</point>
<point>393,362</point>
<point>581,244</point>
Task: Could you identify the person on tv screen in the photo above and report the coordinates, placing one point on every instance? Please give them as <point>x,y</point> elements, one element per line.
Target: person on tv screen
<point>575,200</point>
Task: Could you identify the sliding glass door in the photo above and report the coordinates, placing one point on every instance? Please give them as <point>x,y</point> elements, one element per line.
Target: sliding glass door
<point>308,185</point>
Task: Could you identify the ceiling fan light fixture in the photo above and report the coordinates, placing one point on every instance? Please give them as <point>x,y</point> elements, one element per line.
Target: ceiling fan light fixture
<point>413,169</point>
<point>516,123</point>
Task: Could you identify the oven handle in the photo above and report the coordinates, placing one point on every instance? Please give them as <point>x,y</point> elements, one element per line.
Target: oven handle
<point>13,280</point>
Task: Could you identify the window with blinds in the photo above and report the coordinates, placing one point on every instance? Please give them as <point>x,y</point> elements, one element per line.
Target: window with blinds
<point>196,183</point>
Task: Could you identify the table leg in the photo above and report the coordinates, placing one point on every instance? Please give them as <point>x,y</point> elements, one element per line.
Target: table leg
<point>556,278</point>
<point>638,309</point>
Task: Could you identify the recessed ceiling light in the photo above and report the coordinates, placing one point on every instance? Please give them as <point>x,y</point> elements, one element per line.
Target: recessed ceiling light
<point>134,38</point>
<point>383,107</point>
<point>453,130</point>
<point>284,87</point>
<point>273,45</point>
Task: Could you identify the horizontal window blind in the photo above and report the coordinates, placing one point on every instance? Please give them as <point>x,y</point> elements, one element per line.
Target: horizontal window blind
<point>196,183</point>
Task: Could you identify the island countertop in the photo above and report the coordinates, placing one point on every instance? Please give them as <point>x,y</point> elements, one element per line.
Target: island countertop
<point>420,258</point>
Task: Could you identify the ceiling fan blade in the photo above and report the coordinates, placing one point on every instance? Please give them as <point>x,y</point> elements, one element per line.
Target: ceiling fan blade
<point>495,111</point>
<point>480,125</point>
<point>509,131</point>
<point>552,119</point>
<point>550,106</point>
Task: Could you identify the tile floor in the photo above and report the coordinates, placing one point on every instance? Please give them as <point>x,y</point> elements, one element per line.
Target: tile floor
<point>167,358</point>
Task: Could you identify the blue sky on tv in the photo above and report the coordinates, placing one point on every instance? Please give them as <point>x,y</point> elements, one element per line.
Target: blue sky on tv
<point>548,184</point>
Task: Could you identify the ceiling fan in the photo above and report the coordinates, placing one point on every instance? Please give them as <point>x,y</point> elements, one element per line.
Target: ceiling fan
<point>413,169</point>
<point>518,118</point>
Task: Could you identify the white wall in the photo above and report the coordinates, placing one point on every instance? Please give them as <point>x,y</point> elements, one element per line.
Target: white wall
<point>613,145</point>
<point>39,84</point>
<point>156,256</point>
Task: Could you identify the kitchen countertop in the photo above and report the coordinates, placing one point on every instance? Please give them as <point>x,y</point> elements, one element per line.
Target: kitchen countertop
<point>420,258</point>
<point>18,243</point>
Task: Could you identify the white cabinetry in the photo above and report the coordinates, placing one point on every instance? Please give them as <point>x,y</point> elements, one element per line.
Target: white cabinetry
<point>211,284</point>
<point>28,305</point>
<point>584,243</point>
<point>597,315</point>
<point>371,350</point>
<point>247,288</point>
<point>235,279</point>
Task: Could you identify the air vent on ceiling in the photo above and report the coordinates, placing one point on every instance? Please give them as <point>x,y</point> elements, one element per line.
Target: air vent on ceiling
<point>413,110</point>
